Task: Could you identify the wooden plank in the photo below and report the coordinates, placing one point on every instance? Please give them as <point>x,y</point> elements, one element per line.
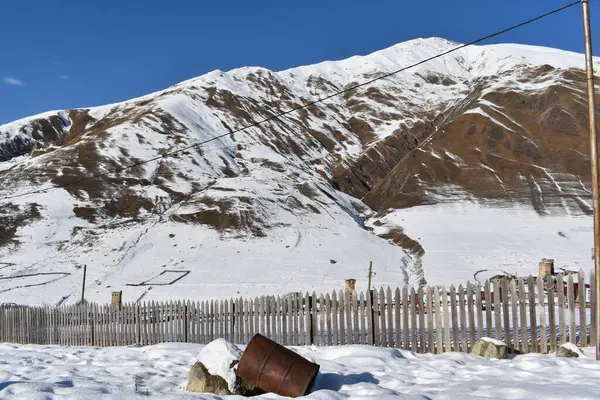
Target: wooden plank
<point>342,317</point>
<point>514,302</point>
<point>307,321</point>
<point>523,313</point>
<point>355,324</point>
<point>488,309</point>
<point>328,317</point>
<point>505,311</point>
<point>497,310</point>
<point>405,316</point>
<point>438,321</point>
<point>583,337</point>
<point>532,314</point>
<point>593,306</point>
<point>551,317</point>
<point>561,308</point>
<point>335,334</point>
<point>541,311</point>
<point>322,311</point>
<point>463,319</point>
<point>398,336</point>
<point>413,320</point>
<point>479,311</point>
<point>369,317</point>
<point>446,319</point>
<point>390,317</point>
<point>348,311</point>
<point>302,329</point>
<point>421,314</point>
<point>280,309</point>
<point>572,311</point>
<point>314,325</point>
<point>376,331</point>
<point>382,318</point>
<point>430,326</point>
<point>363,323</point>
<point>471,317</point>
<point>454,319</point>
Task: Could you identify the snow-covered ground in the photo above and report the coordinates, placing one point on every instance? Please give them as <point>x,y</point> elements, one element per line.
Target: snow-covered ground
<point>463,238</point>
<point>348,372</point>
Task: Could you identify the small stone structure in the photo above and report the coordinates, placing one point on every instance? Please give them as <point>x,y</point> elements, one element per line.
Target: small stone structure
<point>116,299</point>
<point>546,267</point>
<point>569,350</point>
<point>350,285</point>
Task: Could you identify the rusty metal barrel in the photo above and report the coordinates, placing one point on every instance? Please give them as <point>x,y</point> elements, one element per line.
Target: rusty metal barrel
<point>273,368</point>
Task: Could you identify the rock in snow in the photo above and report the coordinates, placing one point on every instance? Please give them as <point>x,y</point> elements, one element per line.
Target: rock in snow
<point>569,350</point>
<point>220,357</point>
<point>490,348</point>
<point>201,381</point>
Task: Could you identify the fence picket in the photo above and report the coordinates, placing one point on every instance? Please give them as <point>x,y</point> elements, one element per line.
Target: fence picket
<point>322,307</point>
<point>405,326</point>
<point>369,316</point>
<point>335,339</point>
<point>382,319</point>
<point>505,313</point>
<point>397,336</point>
<point>307,316</point>
<point>348,312</point>
<point>438,320</point>
<point>413,320</point>
<point>479,311</point>
<point>430,327</point>
<point>390,317</point>
<point>514,300</point>
<point>342,317</point>
<point>488,309</point>
<point>454,319</point>
<point>583,338</point>
<point>542,312</point>
<point>363,324</point>
<point>328,318</point>
<point>561,308</point>
<point>355,324</point>
<point>447,344</point>
<point>421,313</point>
<point>463,319</point>
<point>497,293</point>
<point>471,313</point>
<point>523,314</point>
<point>314,325</point>
<point>571,314</point>
<point>551,316</point>
<point>532,316</point>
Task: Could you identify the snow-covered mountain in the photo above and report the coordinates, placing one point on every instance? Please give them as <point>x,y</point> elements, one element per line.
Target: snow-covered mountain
<point>305,200</point>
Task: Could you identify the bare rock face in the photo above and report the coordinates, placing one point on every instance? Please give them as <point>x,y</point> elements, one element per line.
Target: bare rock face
<point>201,381</point>
<point>490,348</point>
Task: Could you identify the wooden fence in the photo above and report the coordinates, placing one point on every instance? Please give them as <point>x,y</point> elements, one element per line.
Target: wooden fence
<point>529,315</point>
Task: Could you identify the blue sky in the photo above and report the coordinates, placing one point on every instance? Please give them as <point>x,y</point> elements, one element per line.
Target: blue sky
<point>67,54</point>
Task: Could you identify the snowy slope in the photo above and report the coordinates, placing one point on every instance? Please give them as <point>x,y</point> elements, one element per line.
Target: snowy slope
<point>297,203</point>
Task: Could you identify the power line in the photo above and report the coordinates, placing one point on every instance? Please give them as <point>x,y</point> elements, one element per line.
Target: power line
<point>300,107</point>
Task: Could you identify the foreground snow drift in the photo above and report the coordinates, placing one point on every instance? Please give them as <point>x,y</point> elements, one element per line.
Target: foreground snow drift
<point>160,371</point>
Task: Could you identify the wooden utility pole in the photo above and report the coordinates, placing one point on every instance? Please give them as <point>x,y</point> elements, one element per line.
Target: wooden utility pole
<point>83,285</point>
<point>589,66</point>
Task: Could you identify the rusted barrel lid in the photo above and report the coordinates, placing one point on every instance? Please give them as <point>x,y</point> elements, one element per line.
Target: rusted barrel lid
<point>273,368</point>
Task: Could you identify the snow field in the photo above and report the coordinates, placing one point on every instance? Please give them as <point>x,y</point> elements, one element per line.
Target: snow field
<point>347,372</point>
